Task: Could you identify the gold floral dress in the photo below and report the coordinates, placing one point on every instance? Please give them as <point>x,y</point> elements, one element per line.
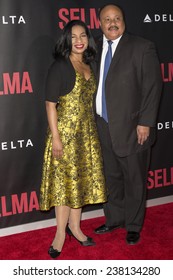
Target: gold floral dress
<point>77,178</point>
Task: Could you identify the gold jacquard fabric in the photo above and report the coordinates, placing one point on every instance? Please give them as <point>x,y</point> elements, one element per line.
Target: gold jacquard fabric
<point>77,178</point>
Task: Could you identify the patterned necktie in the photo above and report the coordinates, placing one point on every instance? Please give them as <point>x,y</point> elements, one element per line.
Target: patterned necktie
<point>107,63</point>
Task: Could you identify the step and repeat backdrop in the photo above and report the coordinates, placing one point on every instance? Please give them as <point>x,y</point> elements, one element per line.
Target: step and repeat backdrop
<point>28,32</point>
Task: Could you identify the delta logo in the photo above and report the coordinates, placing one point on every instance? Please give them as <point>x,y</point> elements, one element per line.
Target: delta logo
<point>13,19</point>
<point>158,18</point>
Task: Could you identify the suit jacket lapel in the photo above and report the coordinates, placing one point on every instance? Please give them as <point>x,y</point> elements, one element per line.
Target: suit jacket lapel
<point>119,51</point>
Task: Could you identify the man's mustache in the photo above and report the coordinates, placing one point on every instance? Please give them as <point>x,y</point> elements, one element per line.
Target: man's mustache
<point>114,27</point>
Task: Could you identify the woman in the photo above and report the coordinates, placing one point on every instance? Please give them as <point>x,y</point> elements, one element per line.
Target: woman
<point>72,168</point>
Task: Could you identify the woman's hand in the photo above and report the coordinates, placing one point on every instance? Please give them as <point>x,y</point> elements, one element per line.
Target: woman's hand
<point>57,148</point>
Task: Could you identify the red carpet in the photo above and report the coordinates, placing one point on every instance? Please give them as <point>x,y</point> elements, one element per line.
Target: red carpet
<point>156,241</point>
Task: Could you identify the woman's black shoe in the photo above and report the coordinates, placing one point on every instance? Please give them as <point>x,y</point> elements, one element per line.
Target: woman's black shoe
<point>54,253</point>
<point>88,242</point>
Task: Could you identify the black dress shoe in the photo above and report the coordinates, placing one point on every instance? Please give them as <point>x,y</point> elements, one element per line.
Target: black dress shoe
<point>88,242</point>
<point>132,237</point>
<point>104,229</point>
<point>54,253</point>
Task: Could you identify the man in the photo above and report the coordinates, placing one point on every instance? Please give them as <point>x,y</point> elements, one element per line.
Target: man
<point>126,119</point>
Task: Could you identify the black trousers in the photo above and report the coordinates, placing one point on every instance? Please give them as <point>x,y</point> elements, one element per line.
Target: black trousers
<point>126,180</point>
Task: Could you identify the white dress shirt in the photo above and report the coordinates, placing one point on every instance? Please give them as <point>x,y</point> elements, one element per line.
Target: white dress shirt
<point>99,91</point>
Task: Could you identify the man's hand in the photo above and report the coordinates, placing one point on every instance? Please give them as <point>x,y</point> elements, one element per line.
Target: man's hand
<point>142,133</point>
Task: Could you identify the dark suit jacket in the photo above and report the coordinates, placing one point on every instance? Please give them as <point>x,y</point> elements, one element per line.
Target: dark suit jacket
<point>133,87</point>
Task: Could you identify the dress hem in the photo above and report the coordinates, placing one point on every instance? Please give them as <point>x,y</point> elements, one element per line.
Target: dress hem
<point>89,203</point>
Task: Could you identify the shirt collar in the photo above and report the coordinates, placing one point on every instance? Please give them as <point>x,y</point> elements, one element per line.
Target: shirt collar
<point>114,41</point>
